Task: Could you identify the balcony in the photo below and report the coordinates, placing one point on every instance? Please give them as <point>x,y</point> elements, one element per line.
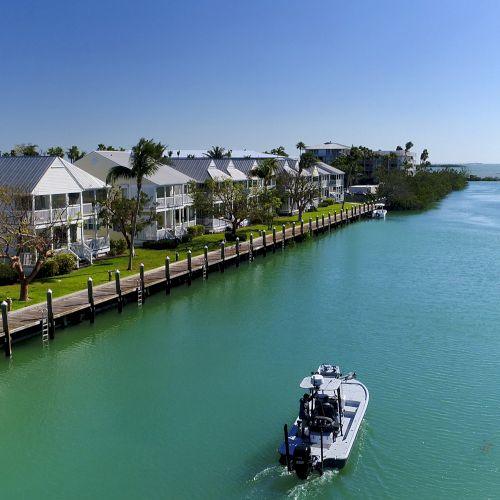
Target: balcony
<point>178,200</point>
<point>63,214</point>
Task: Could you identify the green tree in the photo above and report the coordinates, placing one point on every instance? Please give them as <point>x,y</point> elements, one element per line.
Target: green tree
<point>218,152</point>
<point>145,159</point>
<point>74,154</point>
<point>263,206</point>
<point>300,146</point>
<point>18,236</point>
<point>226,200</point>
<point>118,211</point>
<point>298,186</point>
<point>25,150</point>
<point>399,148</point>
<point>423,159</point>
<point>265,170</point>
<point>56,151</point>
<point>279,151</point>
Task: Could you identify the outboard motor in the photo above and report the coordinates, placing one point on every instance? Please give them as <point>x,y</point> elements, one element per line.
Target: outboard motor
<point>302,460</point>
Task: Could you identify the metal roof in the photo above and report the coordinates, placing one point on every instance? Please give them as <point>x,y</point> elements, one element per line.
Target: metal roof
<point>202,153</point>
<point>329,169</point>
<point>23,172</point>
<point>84,179</point>
<point>328,145</point>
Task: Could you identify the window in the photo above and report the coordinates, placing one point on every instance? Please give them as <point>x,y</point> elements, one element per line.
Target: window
<point>160,192</point>
<point>58,201</point>
<point>88,197</point>
<point>42,202</point>
<point>168,191</point>
<point>74,198</point>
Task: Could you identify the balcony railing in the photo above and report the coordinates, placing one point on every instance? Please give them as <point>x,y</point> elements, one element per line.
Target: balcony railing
<point>63,214</point>
<point>177,200</point>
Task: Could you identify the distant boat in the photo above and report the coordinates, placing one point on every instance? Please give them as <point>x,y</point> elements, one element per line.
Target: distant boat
<point>379,211</point>
<point>329,418</point>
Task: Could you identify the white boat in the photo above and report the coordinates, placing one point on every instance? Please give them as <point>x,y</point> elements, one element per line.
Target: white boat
<point>379,211</point>
<point>329,418</point>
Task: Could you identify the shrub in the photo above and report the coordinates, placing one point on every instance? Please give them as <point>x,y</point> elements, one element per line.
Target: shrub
<point>165,244</point>
<point>197,230</point>
<point>312,208</point>
<point>117,247</point>
<point>186,238</point>
<point>229,236</point>
<point>7,275</point>
<point>66,262</point>
<point>49,268</point>
<point>326,202</point>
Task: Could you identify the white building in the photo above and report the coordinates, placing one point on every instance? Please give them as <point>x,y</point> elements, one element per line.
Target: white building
<point>64,198</point>
<point>167,188</point>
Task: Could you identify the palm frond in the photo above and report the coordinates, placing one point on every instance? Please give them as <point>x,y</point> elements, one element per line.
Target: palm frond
<point>117,172</point>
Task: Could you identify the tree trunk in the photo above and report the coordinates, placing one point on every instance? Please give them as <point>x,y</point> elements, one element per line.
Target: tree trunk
<point>24,289</point>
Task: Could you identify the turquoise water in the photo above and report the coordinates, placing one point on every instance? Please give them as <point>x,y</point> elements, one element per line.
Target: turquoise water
<point>187,397</point>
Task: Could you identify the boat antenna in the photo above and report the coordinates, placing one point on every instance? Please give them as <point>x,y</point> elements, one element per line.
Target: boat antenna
<point>287,449</point>
<point>321,439</point>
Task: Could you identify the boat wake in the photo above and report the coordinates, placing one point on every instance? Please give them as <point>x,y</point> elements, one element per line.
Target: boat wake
<point>313,486</point>
<point>285,484</point>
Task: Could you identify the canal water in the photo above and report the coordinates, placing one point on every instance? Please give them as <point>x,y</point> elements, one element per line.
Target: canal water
<point>187,397</point>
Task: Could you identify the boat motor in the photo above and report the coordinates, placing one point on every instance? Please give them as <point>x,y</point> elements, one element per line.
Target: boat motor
<point>302,460</point>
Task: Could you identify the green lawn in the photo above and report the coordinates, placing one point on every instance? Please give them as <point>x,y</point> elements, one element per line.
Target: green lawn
<point>77,280</point>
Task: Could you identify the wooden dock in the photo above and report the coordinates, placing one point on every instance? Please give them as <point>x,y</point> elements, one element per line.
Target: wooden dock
<point>84,304</point>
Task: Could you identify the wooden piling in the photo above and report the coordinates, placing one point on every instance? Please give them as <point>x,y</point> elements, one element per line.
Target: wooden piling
<point>190,267</point>
<point>50,315</point>
<point>90,292</point>
<point>167,275</point>
<point>264,244</point>
<point>283,234</point>
<point>176,256</point>
<point>274,239</point>
<point>119,291</point>
<point>335,216</point>
<point>237,251</point>
<point>329,221</point>
<point>317,225</point>
<point>222,256</point>
<point>250,248</point>
<point>143,284</point>
<point>310,226</point>
<point>8,338</point>
<point>322,223</point>
<point>205,255</point>
<point>293,230</point>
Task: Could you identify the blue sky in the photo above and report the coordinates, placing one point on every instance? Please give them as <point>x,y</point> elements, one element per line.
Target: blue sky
<point>253,74</point>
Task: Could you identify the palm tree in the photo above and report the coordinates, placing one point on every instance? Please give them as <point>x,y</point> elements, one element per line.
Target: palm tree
<point>56,151</point>
<point>74,154</point>
<point>145,160</point>
<point>300,146</point>
<point>218,152</point>
<point>265,170</point>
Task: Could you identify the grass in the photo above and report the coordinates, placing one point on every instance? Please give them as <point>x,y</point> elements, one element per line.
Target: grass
<point>77,280</point>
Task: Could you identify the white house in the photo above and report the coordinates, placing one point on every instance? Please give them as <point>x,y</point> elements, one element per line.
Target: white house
<point>168,189</point>
<point>64,198</point>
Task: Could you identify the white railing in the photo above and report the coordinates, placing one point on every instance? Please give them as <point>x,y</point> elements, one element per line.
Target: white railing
<point>88,209</point>
<point>100,244</point>
<point>165,233</point>
<point>62,214</point>
<point>42,216</point>
<point>178,200</point>
<point>82,251</point>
